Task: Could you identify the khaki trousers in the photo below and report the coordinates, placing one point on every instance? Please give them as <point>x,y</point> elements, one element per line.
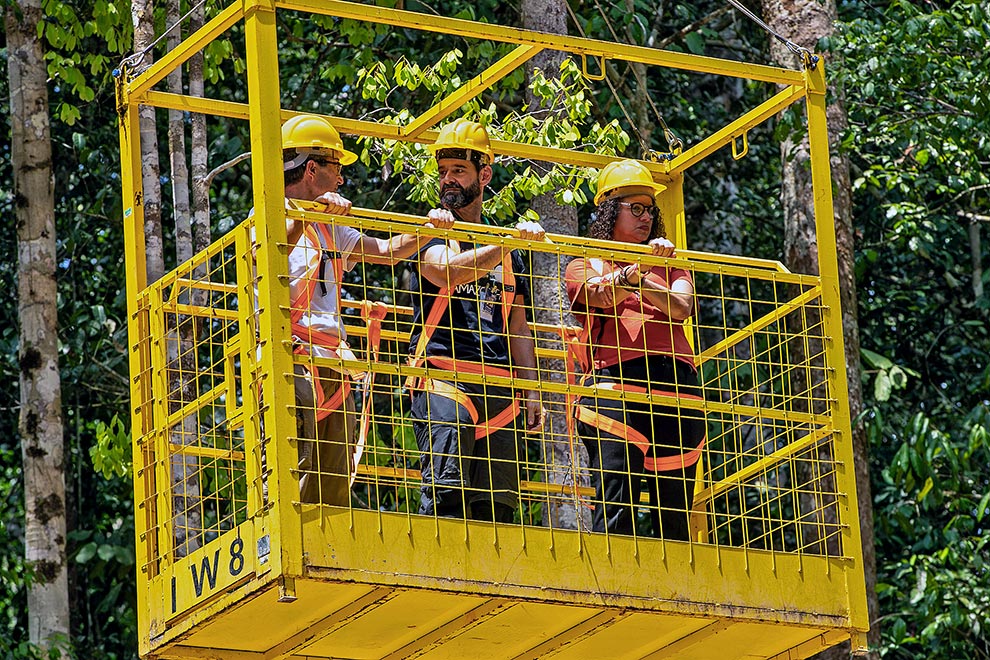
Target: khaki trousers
<point>326,447</point>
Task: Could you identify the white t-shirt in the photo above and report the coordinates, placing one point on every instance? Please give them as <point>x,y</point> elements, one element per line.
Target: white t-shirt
<point>323,313</point>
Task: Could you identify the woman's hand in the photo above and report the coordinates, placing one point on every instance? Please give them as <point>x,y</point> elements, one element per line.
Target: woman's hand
<point>662,247</point>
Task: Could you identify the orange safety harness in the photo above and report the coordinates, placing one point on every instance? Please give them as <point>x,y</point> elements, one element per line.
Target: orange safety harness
<point>372,313</point>
<point>579,360</point>
<point>442,388</point>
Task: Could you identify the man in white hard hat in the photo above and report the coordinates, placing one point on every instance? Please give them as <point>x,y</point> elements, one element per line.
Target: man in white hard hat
<point>313,156</point>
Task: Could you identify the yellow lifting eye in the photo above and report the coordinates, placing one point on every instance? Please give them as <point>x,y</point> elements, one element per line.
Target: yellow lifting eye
<point>738,153</point>
<point>601,68</point>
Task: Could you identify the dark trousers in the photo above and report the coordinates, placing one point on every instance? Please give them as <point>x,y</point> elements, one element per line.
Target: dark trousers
<point>617,466</point>
<point>462,473</point>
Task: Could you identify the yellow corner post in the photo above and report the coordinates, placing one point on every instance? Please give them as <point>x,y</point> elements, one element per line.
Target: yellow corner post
<point>280,521</point>
<point>828,265</point>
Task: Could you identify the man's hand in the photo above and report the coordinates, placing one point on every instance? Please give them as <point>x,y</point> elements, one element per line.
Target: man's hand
<point>662,247</point>
<point>531,231</point>
<point>440,219</point>
<point>534,410</point>
<point>335,203</point>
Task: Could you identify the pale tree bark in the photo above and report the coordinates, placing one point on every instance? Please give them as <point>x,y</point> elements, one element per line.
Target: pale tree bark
<point>548,270</point>
<point>975,256</point>
<point>187,501</point>
<point>199,165</point>
<point>805,22</point>
<point>186,491</point>
<point>179,171</point>
<point>40,424</point>
<point>143,19</point>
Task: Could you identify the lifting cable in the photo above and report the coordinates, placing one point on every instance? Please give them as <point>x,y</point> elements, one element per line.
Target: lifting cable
<point>134,59</point>
<point>808,59</point>
<point>674,143</point>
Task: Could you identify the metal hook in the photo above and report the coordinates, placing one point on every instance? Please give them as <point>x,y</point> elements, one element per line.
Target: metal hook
<point>745,146</point>
<point>584,67</point>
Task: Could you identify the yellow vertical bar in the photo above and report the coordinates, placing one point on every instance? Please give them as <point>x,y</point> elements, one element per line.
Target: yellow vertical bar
<point>828,267</point>
<point>134,256</point>
<point>159,389</point>
<point>671,203</point>
<point>156,377</point>
<point>250,406</point>
<point>261,49</point>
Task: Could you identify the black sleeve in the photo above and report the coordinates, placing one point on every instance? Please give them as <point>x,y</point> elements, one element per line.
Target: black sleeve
<point>521,271</point>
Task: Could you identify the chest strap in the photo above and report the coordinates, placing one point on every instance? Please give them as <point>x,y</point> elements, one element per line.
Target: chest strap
<point>442,301</point>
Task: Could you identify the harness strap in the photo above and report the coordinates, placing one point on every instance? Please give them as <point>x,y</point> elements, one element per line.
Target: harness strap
<point>629,434</point>
<point>439,306</point>
<point>321,237</point>
<point>372,313</point>
<point>574,342</point>
<point>324,405</point>
<point>485,428</point>
<point>442,301</point>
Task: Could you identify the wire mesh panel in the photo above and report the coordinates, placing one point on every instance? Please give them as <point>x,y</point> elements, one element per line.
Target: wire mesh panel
<point>339,418</point>
<point>759,473</point>
<point>194,455</point>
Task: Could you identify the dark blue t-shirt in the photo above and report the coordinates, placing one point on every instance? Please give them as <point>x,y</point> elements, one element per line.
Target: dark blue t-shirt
<point>478,332</point>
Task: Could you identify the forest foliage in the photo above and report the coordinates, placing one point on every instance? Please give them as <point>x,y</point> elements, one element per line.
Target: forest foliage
<point>915,77</point>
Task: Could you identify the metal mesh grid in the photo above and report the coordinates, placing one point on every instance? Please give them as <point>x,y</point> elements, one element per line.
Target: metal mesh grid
<point>192,459</point>
<point>766,478</point>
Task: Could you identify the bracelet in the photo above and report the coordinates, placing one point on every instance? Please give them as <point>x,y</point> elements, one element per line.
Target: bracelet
<point>625,273</point>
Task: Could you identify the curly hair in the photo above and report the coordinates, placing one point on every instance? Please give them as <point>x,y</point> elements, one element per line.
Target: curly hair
<point>603,221</point>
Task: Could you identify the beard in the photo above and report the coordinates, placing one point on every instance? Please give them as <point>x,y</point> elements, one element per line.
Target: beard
<point>453,196</point>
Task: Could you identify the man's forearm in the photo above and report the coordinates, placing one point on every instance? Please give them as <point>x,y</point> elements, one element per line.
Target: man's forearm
<point>472,265</point>
<point>522,347</point>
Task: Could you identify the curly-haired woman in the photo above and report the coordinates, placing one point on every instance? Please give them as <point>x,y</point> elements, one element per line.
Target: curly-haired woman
<point>633,322</point>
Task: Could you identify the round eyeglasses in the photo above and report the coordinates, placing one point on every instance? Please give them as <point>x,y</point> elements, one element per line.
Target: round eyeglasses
<point>638,209</point>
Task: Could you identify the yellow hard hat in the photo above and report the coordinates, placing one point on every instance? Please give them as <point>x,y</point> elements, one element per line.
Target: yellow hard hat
<point>466,135</point>
<point>310,135</point>
<point>630,177</point>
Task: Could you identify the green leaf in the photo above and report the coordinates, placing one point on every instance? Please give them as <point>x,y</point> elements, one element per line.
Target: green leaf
<point>875,360</point>
<point>981,508</point>
<point>86,553</point>
<point>898,378</point>
<point>882,387</point>
<point>695,43</point>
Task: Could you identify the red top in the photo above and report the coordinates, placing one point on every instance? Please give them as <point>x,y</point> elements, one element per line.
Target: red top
<point>633,328</point>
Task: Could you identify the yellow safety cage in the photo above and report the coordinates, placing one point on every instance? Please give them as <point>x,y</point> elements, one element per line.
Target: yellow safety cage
<point>232,565</point>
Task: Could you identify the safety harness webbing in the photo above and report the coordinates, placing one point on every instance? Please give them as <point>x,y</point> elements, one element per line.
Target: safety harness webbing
<point>579,357</point>
<point>371,312</point>
<point>629,434</point>
<point>441,302</point>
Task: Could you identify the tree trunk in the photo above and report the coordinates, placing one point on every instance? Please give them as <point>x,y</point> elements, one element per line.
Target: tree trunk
<point>548,271</point>
<point>40,423</point>
<point>179,170</point>
<point>804,22</point>
<point>143,18</point>
<point>199,164</point>
<point>975,254</point>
